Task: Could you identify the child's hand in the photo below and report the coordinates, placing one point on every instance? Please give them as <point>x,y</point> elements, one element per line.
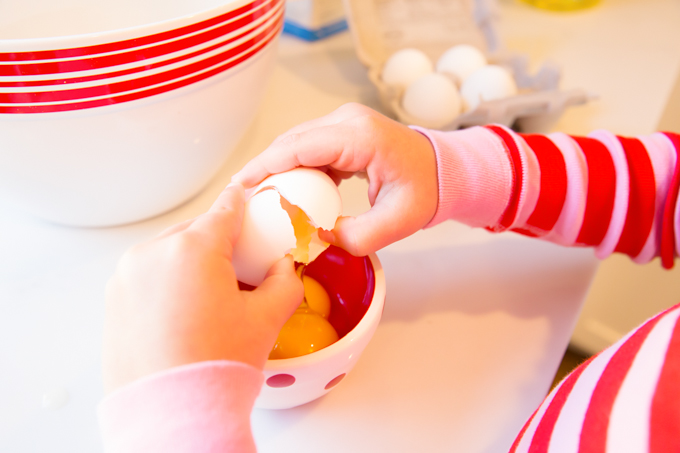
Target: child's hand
<point>174,300</point>
<point>399,162</point>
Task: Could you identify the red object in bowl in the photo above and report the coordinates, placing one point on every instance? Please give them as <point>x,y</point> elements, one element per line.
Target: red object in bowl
<point>349,281</point>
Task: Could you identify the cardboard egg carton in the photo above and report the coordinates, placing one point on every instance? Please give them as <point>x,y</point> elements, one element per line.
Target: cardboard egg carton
<point>381,27</point>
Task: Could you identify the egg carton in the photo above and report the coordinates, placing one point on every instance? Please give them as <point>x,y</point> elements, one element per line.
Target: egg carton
<point>381,27</point>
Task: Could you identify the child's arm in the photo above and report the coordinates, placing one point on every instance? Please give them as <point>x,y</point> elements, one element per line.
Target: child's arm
<point>612,193</point>
<point>615,194</point>
<point>184,349</point>
<point>398,162</point>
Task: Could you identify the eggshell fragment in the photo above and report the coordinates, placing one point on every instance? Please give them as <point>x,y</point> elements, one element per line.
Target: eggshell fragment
<point>433,99</point>
<point>486,84</point>
<point>267,232</point>
<point>311,190</point>
<point>405,66</point>
<point>460,61</point>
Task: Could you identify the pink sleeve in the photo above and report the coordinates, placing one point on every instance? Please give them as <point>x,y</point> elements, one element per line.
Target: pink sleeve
<point>615,194</point>
<point>198,407</point>
<point>474,176</point>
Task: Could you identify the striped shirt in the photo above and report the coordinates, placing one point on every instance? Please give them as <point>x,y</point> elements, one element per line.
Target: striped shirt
<point>615,194</point>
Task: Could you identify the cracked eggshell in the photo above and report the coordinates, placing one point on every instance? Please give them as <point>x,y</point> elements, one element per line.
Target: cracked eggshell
<point>311,190</point>
<point>267,233</point>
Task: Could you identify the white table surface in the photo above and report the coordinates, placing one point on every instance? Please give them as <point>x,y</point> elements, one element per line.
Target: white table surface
<point>474,325</point>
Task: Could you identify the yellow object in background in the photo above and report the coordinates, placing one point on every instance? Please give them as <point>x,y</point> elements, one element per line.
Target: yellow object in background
<point>562,5</point>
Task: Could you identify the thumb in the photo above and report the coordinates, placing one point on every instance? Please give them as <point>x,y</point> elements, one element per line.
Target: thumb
<point>223,220</point>
<point>379,227</point>
<point>280,293</point>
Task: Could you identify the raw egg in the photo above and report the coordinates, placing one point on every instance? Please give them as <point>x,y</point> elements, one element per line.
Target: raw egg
<point>304,332</point>
<point>405,66</point>
<point>316,298</point>
<point>308,329</point>
<point>283,216</point>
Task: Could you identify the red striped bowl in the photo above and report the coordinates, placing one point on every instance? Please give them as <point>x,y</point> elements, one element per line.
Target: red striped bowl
<point>110,127</point>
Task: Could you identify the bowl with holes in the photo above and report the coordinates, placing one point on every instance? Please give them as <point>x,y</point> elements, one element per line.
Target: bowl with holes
<point>112,112</point>
<point>356,286</point>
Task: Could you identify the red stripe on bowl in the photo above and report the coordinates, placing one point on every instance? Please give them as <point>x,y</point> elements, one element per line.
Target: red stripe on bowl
<point>127,43</point>
<point>137,55</point>
<point>50,108</point>
<point>147,67</point>
<point>134,84</point>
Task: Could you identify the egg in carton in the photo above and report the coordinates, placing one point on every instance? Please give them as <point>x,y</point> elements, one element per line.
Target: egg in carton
<point>382,28</point>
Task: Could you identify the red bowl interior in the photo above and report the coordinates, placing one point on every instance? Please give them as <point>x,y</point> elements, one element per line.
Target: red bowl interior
<point>349,281</point>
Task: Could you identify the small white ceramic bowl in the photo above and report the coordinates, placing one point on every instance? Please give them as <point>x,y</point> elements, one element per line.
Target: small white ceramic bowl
<point>112,112</point>
<point>357,290</point>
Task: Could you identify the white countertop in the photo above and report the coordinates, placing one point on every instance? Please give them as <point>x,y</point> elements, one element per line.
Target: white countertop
<point>474,325</point>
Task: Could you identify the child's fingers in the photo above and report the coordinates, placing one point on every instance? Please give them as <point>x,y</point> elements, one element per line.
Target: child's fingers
<point>232,195</point>
<point>379,227</point>
<point>221,200</point>
<point>295,150</point>
<point>338,175</point>
<point>175,228</point>
<point>223,220</point>
<point>280,293</point>
<point>339,146</point>
<point>258,169</point>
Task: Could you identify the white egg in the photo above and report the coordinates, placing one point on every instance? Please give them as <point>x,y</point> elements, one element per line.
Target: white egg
<point>486,84</point>
<point>405,66</point>
<point>460,61</point>
<point>283,216</point>
<point>433,99</point>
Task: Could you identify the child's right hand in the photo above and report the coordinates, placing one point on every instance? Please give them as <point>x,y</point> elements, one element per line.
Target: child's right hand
<point>399,162</point>
<point>174,300</point>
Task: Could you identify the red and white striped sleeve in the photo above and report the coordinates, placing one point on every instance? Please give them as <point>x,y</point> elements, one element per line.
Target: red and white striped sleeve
<point>615,194</point>
<point>612,193</point>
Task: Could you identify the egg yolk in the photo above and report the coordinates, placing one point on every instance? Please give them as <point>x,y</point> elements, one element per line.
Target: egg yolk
<point>304,332</point>
<point>316,298</point>
<point>307,330</point>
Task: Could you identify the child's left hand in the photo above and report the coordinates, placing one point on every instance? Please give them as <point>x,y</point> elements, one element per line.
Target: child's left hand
<point>175,300</point>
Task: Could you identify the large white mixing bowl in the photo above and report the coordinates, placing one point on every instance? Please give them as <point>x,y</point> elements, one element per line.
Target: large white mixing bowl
<point>116,111</point>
